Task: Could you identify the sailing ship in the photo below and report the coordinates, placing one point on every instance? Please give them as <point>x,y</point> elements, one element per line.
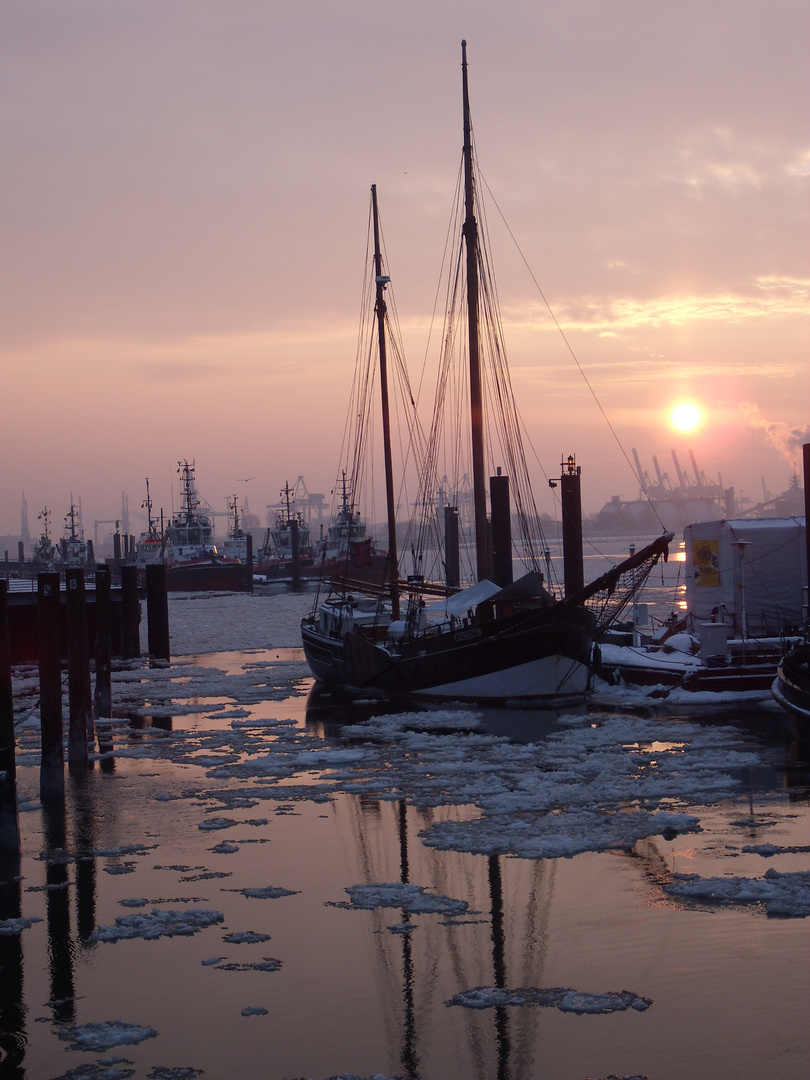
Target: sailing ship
<point>191,557</point>
<point>498,639</point>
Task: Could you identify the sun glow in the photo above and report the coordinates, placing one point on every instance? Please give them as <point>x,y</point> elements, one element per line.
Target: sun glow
<point>685,417</point>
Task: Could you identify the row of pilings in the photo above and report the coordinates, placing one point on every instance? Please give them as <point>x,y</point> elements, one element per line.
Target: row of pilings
<point>84,700</point>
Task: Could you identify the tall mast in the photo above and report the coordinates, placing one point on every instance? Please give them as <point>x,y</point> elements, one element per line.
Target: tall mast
<point>476,405</point>
<point>381,281</point>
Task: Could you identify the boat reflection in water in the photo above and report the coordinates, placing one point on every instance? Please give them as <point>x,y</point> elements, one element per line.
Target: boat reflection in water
<point>508,900</point>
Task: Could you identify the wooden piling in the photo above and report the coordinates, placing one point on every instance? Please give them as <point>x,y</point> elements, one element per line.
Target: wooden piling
<point>9,820</point>
<point>296,560</point>
<point>52,761</point>
<point>501,530</point>
<point>130,612</point>
<point>571,501</point>
<point>79,691</point>
<point>249,561</point>
<point>452,566</point>
<point>102,699</point>
<point>157,612</point>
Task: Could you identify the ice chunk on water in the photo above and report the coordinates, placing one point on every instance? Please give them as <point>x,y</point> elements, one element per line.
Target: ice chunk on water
<point>157,924</point>
<point>558,997</point>
<point>411,898</point>
<point>103,1035</point>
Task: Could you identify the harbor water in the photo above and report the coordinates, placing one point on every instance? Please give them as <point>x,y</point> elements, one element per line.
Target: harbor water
<point>260,879</point>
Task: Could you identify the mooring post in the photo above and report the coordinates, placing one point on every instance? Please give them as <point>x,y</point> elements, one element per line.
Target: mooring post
<point>249,562</point>
<point>102,699</point>
<point>79,692</point>
<point>502,573</point>
<point>130,612</point>
<point>571,499</point>
<point>9,820</point>
<point>452,565</point>
<point>157,612</point>
<point>52,761</point>
<point>296,561</point>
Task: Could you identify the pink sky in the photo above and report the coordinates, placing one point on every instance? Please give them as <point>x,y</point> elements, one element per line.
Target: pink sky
<point>185,196</point>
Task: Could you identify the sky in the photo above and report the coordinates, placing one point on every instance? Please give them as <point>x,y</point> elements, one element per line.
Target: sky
<point>183,221</point>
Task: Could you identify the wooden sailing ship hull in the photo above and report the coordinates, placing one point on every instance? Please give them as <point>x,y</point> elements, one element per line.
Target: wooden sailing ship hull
<point>542,656</point>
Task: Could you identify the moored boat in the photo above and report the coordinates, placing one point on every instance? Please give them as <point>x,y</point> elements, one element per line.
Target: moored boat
<point>287,552</point>
<point>149,547</point>
<point>74,549</point>
<point>191,557</point>
<point>791,687</point>
<point>45,553</point>
<point>743,611</point>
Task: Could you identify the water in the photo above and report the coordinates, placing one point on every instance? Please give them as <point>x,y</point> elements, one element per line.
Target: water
<point>229,774</point>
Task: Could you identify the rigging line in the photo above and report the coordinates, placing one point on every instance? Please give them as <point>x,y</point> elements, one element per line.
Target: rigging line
<point>569,347</point>
<point>449,246</point>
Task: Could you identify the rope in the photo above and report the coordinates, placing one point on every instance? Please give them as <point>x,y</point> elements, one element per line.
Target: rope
<point>570,349</point>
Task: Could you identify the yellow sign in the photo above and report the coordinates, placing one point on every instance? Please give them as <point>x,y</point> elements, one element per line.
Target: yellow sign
<point>706,563</point>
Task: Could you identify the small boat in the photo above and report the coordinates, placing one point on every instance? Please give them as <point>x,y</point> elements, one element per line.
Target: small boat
<point>743,612</point>
<point>497,640</point>
<point>791,687</point>
<point>191,557</point>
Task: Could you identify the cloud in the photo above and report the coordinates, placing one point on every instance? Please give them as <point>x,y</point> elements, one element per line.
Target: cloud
<point>788,441</point>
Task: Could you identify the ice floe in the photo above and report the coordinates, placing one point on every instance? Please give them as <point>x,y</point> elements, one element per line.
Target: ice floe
<point>105,1034</point>
<point>267,963</point>
<point>245,937</point>
<point>783,895</point>
<point>14,927</point>
<point>158,924</point>
<point>557,997</point>
<point>266,892</point>
<point>411,898</point>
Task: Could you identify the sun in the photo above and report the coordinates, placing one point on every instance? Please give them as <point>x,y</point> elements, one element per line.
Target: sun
<point>685,417</point>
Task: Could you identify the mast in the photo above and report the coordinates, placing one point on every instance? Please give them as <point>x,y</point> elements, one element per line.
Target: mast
<point>381,281</point>
<point>476,405</point>
<point>147,506</point>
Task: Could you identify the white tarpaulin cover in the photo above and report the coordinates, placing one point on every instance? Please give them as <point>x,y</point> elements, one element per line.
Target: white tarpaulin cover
<point>460,603</point>
<point>760,565</point>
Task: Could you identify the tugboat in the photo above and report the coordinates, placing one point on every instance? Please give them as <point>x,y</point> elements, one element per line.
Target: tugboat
<point>236,546</point>
<point>74,548</point>
<point>191,557</point>
<point>286,551</point>
<point>45,552</point>
<point>149,547</point>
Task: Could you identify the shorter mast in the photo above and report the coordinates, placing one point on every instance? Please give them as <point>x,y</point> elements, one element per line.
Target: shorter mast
<point>381,281</point>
